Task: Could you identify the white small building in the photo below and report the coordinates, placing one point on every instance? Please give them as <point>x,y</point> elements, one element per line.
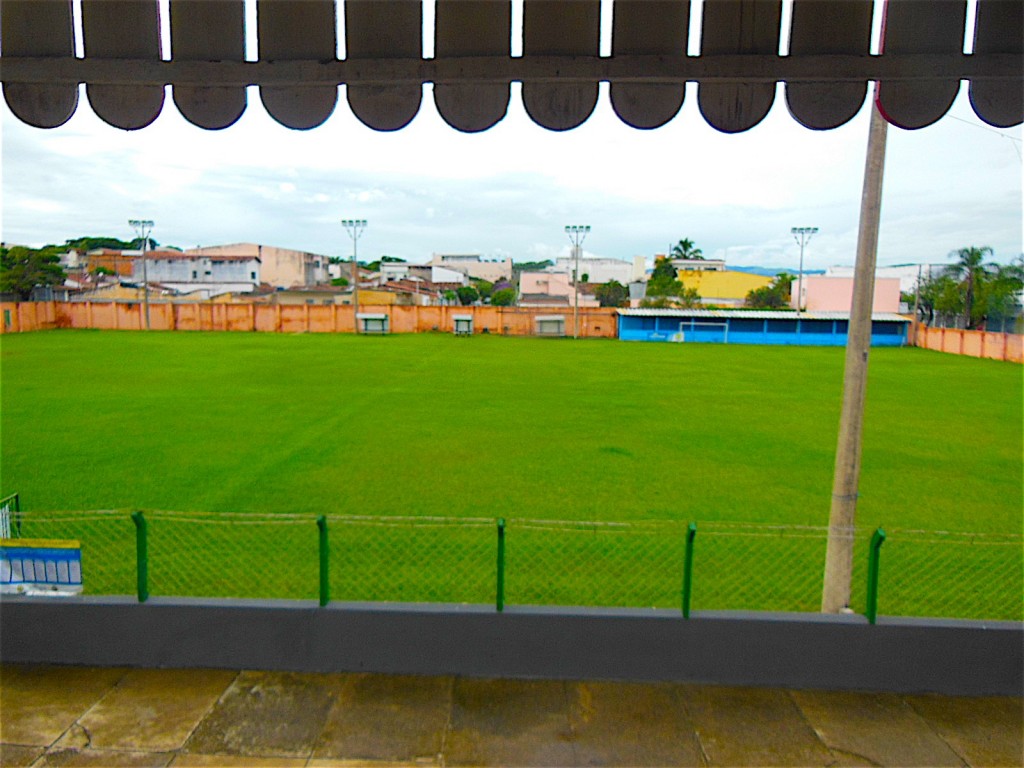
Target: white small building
<point>393,270</point>
<point>602,270</point>
<point>473,265</point>
<point>699,265</point>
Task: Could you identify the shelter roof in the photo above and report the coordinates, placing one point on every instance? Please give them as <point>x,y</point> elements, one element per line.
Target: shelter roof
<point>826,68</point>
<point>756,314</point>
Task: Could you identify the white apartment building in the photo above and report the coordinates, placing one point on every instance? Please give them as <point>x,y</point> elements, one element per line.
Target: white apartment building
<point>188,273</point>
<point>280,267</point>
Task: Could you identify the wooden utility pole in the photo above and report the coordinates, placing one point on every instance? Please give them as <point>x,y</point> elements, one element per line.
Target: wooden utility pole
<point>839,553</point>
<point>916,325</point>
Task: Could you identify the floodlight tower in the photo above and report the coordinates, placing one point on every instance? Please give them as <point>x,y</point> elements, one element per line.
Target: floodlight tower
<point>577,234</point>
<point>803,236</point>
<point>355,228</point>
<point>142,229</point>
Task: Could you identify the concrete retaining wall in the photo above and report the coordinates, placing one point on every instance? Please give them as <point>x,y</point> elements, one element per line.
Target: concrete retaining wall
<point>728,648</point>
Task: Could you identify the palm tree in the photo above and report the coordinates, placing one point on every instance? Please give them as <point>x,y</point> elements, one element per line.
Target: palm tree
<point>685,249</point>
<point>971,271</point>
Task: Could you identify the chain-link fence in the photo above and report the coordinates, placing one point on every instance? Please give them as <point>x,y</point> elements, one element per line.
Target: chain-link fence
<point>409,559</point>
<point>951,574</point>
<point>552,562</point>
<point>734,566</point>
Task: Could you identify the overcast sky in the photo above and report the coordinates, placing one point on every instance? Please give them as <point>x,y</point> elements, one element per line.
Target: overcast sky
<point>511,190</point>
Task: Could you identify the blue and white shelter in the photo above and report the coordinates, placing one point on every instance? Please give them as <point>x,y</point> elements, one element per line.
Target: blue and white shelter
<point>724,326</point>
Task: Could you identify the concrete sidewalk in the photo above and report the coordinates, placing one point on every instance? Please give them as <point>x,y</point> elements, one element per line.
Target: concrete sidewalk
<point>55,716</point>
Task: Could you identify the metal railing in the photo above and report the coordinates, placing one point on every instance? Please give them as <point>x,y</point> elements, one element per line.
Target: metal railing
<point>650,564</point>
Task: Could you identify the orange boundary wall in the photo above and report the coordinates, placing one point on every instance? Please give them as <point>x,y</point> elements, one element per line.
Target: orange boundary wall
<point>994,346</point>
<point>18,317</point>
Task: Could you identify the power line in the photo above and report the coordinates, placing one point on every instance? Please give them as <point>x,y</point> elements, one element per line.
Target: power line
<point>1007,136</point>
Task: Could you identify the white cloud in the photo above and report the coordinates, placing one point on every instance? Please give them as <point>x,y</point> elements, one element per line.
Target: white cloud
<point>511,190</point>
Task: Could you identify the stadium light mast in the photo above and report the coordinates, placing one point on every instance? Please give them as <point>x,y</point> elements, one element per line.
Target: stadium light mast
<point>355,228</point>
<point>577,234</point>
<point>142,228</point>
<point>803,236</point>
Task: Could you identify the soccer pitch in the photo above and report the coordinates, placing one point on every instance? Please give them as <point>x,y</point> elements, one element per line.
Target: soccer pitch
<point>492,427</point>
<point>597,453</point>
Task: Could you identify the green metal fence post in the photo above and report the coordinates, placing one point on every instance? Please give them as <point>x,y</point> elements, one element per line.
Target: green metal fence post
<point>141,556</point>
<point>499,602</point>
<point>691,534</point>
<point>877,540</point>
<point>12,504</point>
<point>325,585</point>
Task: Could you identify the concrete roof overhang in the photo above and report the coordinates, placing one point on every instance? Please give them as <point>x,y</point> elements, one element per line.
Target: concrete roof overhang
<point>826,72</point>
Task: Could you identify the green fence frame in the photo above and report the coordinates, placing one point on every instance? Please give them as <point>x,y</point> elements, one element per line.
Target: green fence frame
<point>874,550</point>
<point>14,502</point>
<point>142,563</point>
<point>141,556</point>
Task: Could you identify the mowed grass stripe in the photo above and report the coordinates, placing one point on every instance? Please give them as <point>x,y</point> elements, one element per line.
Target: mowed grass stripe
<point>527,429</point>
<point>489,426</point>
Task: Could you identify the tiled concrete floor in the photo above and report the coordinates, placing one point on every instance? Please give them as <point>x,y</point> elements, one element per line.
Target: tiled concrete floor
<point>54,716</point>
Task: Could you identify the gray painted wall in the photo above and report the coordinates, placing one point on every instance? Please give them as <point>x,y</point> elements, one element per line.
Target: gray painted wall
<point>728,648</point>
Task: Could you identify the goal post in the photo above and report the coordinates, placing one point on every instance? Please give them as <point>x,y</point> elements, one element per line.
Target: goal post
<point>688,330</point>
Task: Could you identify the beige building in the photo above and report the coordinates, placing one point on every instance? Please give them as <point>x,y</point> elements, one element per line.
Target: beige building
<point>472,265</point>
<point>280,267</point>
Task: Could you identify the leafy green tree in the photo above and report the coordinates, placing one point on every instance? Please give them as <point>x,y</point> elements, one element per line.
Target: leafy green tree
<point>584,278</point>
<point>449,296</point>
<point>665,290</point>
<point>999,293</point>
<point>92,243</point>
<point>688,298</point>
<point>970,270</point>
<point>532,266</point>
<point>136,244</point>
<point>374,266</point>
<point>503,297</point>
<point>612,294</point>
<point>22,269</point>
<point>340,281</point>
<point>663,280</point>
<point>980,294</point>
<point>484,287</point>
<point>467,294</point>
<point>686,249</point>
<point>656,302</point>
<point>776,295</point>
<point>663,269</point>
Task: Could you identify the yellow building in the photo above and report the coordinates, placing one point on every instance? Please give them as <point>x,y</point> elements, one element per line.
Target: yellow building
<point>725,289</point>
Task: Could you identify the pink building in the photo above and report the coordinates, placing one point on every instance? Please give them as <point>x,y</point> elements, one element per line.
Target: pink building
<point>835,294</point>
<point>544,289</point>
<point>547,283</point>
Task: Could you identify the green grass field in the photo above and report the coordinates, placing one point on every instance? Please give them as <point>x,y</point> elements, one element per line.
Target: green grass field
<point>487,427</point>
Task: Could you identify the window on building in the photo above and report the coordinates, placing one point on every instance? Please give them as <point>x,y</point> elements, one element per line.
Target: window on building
<point>252,275</point>
<point>194,274</point>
